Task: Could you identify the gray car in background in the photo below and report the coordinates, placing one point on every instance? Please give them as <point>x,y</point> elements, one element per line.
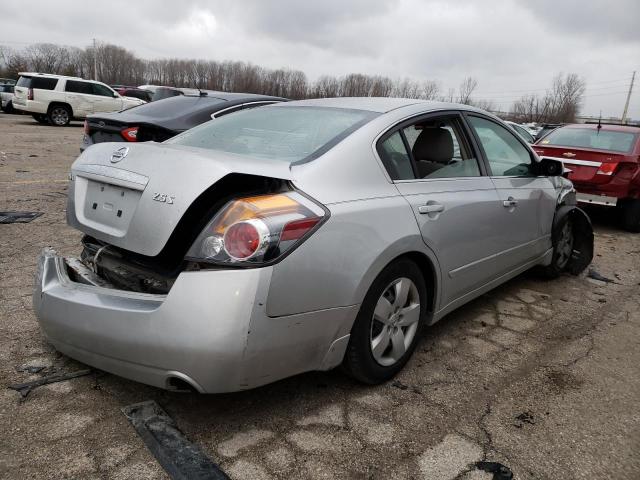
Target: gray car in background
<point>298,236</point>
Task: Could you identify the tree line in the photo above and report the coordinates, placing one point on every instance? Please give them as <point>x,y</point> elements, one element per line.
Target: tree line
<point>113,64</point>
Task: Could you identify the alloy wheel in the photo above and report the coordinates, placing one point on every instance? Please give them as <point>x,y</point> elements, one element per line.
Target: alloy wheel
<point>564,248</point>
<point>395,321</point>
<point>60,116</point>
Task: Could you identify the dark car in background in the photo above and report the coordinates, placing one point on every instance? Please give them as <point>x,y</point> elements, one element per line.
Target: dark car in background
<point>160,120</point>
<point>6,97</point>
<point>134,92</point>
<point>604,165</point>
<point>546,128</point>
<point>523,132</point>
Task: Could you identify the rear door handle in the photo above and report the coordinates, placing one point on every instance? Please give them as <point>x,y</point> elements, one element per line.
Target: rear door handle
<point>510,202</point>
<point>431,208</point>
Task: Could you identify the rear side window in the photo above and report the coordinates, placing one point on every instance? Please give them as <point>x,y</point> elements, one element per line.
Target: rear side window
<point>591,138</point>
<point>74,86</point>
<point>438,149</point>
<point>41,83</point>
<point>395,158</point>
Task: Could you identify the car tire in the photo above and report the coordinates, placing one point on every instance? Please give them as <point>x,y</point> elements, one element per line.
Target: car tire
<point>59,115</point>
<point>8,108</point>
<point>40,118</point>
<point>387,328</point>
<point>563,239</point>
<point>630,210</point>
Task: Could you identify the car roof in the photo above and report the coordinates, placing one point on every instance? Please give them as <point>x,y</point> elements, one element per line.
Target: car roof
<point>37,74</point>
<point>378,104</point>
<point>605,126</point>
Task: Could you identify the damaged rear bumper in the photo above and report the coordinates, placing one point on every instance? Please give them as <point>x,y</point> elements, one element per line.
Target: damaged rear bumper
<point>210,330</point>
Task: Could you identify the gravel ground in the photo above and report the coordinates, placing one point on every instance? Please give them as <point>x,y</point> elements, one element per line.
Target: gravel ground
<point>541,376</point>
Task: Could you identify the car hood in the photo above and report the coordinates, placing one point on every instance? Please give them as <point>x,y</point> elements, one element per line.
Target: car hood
<point>134,196</point>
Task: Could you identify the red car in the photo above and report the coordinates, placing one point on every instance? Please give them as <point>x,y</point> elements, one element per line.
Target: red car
<point>604,164</point>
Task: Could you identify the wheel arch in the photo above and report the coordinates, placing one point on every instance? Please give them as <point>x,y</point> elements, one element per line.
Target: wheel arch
<point>422,256</point>
<point>59,104</point>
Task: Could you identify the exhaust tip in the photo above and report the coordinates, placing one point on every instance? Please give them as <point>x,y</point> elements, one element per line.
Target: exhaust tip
<point>176,384</point>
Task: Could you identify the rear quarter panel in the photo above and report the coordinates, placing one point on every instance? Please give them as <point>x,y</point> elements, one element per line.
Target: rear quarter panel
<point>336,266</point>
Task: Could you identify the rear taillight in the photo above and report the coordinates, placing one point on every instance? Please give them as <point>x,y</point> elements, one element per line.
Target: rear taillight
<point>30,94</point>
<point>257,230</point>
<point>130,134</point>
<point>86,127</point>
<point>607,168</point>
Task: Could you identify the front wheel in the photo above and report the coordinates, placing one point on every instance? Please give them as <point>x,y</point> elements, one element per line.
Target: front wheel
<point>388,324</point>
<point>563,241</point>
<point>59,115</point>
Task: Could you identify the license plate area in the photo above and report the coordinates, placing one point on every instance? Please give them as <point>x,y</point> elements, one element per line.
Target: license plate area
<point>109,207</point>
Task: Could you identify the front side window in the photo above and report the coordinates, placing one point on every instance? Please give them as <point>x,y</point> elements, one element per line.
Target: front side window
<point>504,152</point>
<point>102,90</point>
<point>591,138</point>
<point>289,134</point>
<point>74,86</point>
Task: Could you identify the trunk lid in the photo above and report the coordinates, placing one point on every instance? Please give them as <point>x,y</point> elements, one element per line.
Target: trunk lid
<point>133,195</point>
<point>584,163</point>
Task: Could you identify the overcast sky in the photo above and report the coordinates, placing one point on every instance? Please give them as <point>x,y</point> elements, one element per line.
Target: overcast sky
<point>512,47</point>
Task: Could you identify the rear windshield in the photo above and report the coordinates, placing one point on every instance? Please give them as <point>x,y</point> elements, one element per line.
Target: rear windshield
<point>43,83</point>
<point>162,93</point>
<point>176,106</point>
<point>289,134</point>
<point>591,138</point>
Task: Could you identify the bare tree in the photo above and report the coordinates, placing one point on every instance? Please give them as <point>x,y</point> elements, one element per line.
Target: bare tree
<point>560,104</point>
<point>430,90</point>
<point>466,89</point>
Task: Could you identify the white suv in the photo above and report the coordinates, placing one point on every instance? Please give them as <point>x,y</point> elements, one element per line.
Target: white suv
<point>58,99</point>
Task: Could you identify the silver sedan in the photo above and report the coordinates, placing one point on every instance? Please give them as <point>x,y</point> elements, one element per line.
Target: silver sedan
<point>296,237</point>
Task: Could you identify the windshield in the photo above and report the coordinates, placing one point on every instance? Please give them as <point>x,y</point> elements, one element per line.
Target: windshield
<point>591,138</point>
<point>280,133</point>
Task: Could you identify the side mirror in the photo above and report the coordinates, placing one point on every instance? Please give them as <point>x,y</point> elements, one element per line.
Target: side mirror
<point>550,167</point>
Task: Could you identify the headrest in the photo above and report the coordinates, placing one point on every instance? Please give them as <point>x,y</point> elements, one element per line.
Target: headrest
<point>434,145</point>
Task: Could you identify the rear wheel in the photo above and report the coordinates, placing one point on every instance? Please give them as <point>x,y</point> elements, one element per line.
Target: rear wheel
<point>59,115</point>
<point>388,324</point>
<point>631,215</point>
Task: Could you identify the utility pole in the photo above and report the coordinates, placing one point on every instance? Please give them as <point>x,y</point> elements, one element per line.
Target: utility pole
<point>95,62</point>
<point>626,104</point>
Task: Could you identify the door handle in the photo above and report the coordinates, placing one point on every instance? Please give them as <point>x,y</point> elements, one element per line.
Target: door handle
<point>510,202</point>
<point>431,208</point>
